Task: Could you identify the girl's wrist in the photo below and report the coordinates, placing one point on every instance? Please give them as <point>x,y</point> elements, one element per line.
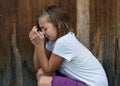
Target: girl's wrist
<point>40,46</point>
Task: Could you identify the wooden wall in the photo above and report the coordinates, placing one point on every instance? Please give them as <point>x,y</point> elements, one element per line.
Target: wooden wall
<point>17,17</point>
<point>83,21</point>
<point>105,36</point>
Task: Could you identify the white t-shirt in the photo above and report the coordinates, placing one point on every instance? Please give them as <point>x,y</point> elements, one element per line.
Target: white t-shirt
<point>79,64</point>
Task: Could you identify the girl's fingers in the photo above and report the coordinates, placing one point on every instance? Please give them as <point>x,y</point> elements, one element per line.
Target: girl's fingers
<point>32,33</point>
<point>33,29</point>
<point>33,37</point>
<point>41,35</point>
<point>36,36</point>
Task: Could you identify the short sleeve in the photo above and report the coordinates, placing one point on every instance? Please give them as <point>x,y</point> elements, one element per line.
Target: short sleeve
<point>64,50</point>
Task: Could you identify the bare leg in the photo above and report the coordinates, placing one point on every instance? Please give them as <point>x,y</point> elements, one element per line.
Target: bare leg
<point>41,73</point>
<point>45,81</point>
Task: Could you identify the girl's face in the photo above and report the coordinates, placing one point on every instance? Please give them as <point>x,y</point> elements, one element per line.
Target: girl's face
<point>48,29</point>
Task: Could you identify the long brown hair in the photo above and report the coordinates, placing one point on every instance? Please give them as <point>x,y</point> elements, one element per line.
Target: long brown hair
<point>58,18</point>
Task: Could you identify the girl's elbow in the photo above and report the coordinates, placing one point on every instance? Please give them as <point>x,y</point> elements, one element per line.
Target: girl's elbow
<point>48,71</point>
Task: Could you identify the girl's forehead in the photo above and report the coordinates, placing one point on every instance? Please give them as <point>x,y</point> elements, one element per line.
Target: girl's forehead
<point>43,19</point>
<point>43,22</point>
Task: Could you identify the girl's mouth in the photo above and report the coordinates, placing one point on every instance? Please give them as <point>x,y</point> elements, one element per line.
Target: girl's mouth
<point>46,36</point>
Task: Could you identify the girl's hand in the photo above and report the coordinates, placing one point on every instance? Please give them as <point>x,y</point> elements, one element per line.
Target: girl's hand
<point>37,38</point>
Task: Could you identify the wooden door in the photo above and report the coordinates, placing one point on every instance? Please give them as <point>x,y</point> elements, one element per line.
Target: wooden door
<point>17,17</point>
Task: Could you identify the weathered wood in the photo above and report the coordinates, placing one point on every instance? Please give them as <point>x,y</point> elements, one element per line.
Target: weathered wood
<point>83,21</point>
<point>16,66</point>
<point>117,79</point>
<point>104,36</point>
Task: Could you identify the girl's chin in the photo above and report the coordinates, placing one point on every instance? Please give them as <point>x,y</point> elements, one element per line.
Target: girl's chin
<point>51,39</point>
<point>48,38</point>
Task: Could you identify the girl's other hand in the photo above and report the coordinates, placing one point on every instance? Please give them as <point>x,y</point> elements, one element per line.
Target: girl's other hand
<point>32,32</point>
<point>37,38</point>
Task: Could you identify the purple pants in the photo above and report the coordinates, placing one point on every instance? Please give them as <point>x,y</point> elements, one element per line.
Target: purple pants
<point>61,80</point>
<point>64,81</point>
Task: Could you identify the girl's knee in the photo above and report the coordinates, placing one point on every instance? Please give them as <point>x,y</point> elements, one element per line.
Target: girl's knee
<point>41,81</point>
<point>39,74</point>
<point>44,81</point>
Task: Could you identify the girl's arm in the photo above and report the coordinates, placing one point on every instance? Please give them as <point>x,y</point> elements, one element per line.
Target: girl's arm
<point>49,66</point>
<point>36,59</point>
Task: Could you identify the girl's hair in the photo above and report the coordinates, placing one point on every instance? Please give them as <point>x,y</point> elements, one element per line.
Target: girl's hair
<point>58,18</point>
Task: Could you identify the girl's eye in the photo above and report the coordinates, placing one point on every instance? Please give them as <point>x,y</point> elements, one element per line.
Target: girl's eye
<point>45,28</point>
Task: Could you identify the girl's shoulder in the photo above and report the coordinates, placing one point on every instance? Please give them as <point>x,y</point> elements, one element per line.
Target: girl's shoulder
<point>69,37</point>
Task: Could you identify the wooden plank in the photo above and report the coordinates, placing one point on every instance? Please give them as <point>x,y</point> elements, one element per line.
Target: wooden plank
<point>83,21</point>
<point>6,25</point>
<point>16,66</point>
<point>103,36</point>
<point>118,45</point>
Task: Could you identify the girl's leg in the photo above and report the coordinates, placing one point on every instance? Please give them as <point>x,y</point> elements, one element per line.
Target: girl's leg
<point>45,81</point>
<point>58,81</point>
<point>41,73</point>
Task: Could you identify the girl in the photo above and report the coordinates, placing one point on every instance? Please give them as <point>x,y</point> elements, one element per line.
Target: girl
<point>62,60</point>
